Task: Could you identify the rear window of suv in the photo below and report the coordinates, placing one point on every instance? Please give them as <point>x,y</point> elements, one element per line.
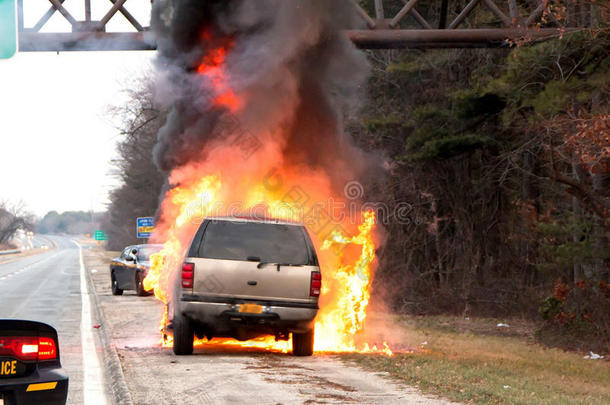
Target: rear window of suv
<point>272,243</point>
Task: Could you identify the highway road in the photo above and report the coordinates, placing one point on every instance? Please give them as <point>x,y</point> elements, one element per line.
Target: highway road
<point>47,287</point>
<point>110,345</point>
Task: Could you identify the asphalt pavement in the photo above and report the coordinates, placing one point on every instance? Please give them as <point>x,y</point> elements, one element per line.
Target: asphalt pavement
<point>110,347</point>
<point>47,287</point>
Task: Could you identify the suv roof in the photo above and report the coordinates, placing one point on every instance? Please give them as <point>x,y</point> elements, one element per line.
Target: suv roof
<point>254,218</point>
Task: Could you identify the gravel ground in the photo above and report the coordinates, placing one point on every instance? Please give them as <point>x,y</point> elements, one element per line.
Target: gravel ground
<point>217,375</point>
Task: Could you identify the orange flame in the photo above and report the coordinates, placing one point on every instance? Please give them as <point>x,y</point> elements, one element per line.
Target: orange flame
<point>347,275</point>
<point>223,183</point>
<point>214,69</point>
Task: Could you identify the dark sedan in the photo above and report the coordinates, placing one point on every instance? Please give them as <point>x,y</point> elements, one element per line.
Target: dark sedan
<point>129,269</point>
<point>30,370</point>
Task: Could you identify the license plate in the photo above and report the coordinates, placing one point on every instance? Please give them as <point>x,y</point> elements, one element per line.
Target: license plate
<point>251,308</point>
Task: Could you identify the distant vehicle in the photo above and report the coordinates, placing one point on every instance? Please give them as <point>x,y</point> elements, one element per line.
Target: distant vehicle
<point>128,271</point>
<point>30,368</point>
<point>244,278</point>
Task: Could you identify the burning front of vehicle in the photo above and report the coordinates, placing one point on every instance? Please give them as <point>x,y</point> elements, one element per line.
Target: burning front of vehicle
<point>256,93</point>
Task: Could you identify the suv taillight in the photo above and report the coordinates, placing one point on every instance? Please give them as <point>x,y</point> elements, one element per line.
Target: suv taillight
<point>187,274</point>
<point>316,284</point>
<point>28,348</point>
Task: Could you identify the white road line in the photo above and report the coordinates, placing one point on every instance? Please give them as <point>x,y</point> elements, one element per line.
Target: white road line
<point>29,266</point>
<point>34,292</point>
<point>93,384</point>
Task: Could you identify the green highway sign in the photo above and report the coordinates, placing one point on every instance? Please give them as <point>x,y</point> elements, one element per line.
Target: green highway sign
<point>8,29</point>
<point>100,235</point>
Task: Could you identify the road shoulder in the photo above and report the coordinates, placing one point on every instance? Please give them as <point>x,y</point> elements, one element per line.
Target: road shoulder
<point>113,372</point>
<point>222,374</point>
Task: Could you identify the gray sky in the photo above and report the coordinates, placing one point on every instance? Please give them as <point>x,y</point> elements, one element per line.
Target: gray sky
<point>56,140</point>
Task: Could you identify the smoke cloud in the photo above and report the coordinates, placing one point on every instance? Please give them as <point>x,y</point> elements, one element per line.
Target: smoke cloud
<point>295,72</point>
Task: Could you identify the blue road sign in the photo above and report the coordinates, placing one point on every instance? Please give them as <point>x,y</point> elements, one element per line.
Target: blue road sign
<point>146,226</point>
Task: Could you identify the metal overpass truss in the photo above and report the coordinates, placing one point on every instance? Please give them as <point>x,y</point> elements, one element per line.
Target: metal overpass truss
<point>385,24</point>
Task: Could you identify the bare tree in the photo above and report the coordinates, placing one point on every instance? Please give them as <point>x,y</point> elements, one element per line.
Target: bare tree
<point>12,218</point>
<point>141,181</point>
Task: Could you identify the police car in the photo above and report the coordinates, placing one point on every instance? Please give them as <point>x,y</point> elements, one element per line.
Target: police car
<point>30,368</point>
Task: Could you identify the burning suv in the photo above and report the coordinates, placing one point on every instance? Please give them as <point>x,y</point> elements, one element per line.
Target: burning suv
<point>244,278</point>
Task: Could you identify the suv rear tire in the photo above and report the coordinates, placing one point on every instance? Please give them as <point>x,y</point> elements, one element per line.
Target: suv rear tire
<point>302,343</point>
<point>183,335</point>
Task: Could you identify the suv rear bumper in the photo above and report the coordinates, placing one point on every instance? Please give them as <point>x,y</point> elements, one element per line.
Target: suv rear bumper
<point>222,313</point>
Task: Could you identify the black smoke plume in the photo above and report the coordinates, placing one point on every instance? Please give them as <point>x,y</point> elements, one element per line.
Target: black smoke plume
<point>295,71</point>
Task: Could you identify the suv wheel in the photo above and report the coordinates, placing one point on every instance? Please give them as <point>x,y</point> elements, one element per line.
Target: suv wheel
<point>139,286</point>
<point>183,335</point>
<point>115,286</point>
<point>302,343</point>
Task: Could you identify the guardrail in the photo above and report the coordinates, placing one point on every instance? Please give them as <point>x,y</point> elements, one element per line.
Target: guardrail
<point>9,252</point>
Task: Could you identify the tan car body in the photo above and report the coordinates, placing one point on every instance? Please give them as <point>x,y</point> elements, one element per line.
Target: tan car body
<point>245,299</point>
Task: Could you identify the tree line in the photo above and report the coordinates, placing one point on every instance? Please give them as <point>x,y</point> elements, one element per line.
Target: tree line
<point>141,182</point>
<point>504,157</point>
<point>69,222</point>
